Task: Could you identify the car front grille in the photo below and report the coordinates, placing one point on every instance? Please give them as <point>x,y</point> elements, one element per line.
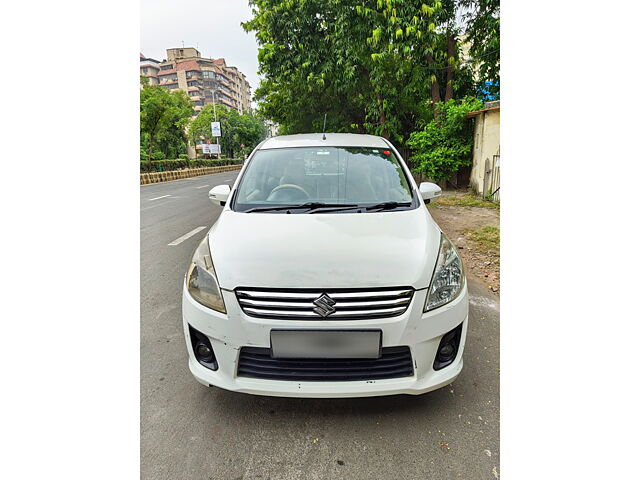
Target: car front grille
<point>395,362</point>
<point>331,304</point>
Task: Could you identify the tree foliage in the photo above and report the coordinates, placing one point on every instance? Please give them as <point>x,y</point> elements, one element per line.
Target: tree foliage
<point>240,133</point>
<point>483,32</point>
<point>164,116</point>
<point>381,67</point>
<point>444,144</point>
<point>373,66</point>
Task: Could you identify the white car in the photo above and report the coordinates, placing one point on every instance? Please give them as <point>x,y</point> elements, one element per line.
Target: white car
<point>325,276</point>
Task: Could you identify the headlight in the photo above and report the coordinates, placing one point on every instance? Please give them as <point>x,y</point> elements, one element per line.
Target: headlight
<point>201,279</point>
<point>448,276</point>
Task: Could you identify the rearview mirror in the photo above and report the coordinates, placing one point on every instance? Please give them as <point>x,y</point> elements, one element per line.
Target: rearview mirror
<point>429,191</point>
<point>219,194</point>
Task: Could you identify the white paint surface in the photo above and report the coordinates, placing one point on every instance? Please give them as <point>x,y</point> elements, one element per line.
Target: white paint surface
<point>186,236</point>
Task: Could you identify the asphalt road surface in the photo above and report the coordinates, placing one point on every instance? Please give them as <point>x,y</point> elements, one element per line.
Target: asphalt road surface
<point>189,431</point>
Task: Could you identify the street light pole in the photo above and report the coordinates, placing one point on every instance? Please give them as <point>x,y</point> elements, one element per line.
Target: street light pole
<point>215,115</point>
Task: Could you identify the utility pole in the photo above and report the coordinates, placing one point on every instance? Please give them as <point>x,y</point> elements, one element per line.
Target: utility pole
<point>215,117</point>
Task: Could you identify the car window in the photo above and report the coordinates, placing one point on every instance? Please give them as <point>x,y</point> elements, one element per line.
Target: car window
<point>327,175</point>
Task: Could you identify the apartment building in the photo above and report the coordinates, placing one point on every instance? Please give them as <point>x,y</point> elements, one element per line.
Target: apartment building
<point>149,68</point>
<point>185,69</point>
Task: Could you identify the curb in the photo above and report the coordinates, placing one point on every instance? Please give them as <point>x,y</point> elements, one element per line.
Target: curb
<point>159,177</point>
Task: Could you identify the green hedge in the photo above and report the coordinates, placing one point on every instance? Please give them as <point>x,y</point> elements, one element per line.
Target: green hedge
<point>179,164</point>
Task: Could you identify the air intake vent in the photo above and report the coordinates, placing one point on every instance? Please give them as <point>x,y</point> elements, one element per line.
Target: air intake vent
<point>395,362</point>
<point>332,304</point>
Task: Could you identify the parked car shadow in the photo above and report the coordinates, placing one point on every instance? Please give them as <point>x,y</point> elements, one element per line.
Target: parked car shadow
<point>240,404</point>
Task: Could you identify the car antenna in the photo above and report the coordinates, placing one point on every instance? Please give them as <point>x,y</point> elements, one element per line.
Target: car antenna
<point>324,137</point>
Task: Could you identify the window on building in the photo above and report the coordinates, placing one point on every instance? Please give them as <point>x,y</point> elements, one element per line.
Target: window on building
<point>166,67</point>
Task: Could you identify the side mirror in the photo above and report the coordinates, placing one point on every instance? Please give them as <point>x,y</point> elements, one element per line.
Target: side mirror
<point>219,194</point>
<point>429,191</point>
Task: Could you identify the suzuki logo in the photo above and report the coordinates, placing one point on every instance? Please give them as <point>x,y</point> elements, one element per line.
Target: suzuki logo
<point>324,305</point>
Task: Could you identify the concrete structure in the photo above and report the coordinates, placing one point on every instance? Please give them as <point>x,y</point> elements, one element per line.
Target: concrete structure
<point>174,54</point>
<point>465,56</point>
<point>185,69</point>
<point>149,68</point>
<point>485,172</point>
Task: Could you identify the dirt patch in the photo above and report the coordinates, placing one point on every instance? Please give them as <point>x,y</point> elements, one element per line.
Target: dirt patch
<point>478,245</point>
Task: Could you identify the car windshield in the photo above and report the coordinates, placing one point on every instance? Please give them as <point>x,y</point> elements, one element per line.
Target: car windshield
<point>323,178</point>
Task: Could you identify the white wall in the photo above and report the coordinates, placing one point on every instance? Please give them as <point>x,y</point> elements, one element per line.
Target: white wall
<point>486,144</point>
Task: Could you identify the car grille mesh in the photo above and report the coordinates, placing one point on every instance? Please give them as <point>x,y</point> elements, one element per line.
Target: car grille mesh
<point>254,362</point>
<point>343,304</point>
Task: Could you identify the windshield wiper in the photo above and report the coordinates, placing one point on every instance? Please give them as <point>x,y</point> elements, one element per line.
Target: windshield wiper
<point>309,205</point>
<point>388,205</point>
<point>327,207</point>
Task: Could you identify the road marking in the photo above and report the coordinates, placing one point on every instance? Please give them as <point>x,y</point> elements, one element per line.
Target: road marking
<point>178,241</point>
<point>158,198</point>
<point>202,186</point>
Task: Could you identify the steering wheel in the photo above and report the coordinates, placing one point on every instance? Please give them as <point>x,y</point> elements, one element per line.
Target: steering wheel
<point>288,186</point>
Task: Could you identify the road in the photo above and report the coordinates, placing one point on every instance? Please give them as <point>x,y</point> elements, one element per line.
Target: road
<point>189,431</point>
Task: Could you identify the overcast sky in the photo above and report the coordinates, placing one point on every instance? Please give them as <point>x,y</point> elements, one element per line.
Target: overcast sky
<point>212,26</point>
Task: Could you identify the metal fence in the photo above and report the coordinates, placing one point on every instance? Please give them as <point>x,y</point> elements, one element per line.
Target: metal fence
<point>491,188</point>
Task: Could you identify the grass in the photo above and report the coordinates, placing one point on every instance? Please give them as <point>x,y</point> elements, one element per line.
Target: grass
<point>466,200</point>
<point>488,237</point>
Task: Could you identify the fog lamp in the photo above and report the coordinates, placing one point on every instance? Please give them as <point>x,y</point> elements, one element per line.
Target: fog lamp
<point>446,350</point>
<point>203,351</point>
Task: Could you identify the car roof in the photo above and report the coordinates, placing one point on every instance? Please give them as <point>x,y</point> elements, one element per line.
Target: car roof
<point>332,140</point>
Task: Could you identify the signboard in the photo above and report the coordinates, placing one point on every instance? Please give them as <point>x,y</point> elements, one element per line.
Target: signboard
<point>210,149</point>
<point>216,130</point>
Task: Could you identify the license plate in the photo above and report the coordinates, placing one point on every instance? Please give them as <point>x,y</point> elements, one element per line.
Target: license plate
<point>326,343</point>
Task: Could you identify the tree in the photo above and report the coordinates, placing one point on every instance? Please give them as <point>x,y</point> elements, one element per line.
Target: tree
<point>407,32</point>
<point>310,63</point>
<point>164,116</point>
<point>237,130</point>
<point>444,144</point>
<point>384,67</point>
<point>370,65</point>
<point>482,19</point>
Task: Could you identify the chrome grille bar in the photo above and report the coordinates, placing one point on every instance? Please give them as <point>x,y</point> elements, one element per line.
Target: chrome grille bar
<point>315,294</point>
<point>261,303</point>
<point>347,304</point>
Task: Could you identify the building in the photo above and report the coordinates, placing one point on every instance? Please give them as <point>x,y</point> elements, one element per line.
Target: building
<point>240,86</point>
<point>149,68</point>
<point>185,69</point>
<point>485,172</point>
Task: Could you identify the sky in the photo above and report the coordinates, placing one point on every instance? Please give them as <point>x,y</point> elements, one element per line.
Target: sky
<point>211,26</point>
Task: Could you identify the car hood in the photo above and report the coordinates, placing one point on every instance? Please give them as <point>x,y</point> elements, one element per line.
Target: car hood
<point>344,250</point>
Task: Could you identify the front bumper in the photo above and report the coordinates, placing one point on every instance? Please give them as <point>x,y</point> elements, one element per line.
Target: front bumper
<point>421,332</point>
